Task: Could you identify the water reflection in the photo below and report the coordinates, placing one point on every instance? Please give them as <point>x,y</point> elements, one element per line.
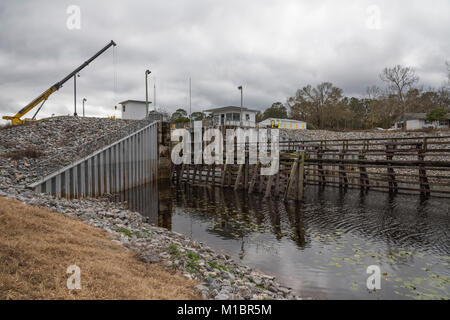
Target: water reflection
<point>153,201</point>
<point>321,247</point>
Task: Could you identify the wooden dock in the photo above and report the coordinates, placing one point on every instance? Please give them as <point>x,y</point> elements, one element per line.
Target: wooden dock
<point>395,165</point>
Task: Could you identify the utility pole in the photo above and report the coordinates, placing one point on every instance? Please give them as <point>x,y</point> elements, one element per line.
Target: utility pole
<point>147,72</point>
<point>75,94</point>
<point>190,104</point>
<point>84,100</point>
<point>240,88</point>
<point>154,94</point>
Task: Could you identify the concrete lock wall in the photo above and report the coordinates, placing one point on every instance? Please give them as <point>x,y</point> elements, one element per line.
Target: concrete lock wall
<point>124,164</point>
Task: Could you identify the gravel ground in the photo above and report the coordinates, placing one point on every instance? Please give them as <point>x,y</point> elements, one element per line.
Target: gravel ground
<point>300,135</point>
<point>61,140</point>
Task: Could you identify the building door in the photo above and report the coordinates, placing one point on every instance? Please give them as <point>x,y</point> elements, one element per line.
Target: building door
<point>222,119</point>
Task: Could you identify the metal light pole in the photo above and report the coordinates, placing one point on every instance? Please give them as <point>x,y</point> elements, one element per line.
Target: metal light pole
<point>147,72</point>
<point>190,106</point>
<point>240,88</point>
<point>84,100</point>
<point>75,94</point>
<point>154,94</point>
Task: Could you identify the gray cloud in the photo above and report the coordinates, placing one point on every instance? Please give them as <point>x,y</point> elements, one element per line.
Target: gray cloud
<point>270,47</point>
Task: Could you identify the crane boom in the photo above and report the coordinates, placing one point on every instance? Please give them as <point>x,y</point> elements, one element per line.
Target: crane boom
<point>44,96</point>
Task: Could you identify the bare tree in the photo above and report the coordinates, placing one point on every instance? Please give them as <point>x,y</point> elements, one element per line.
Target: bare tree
<point>400,80</point>
<point>373,92</point>
<point>310,103</point>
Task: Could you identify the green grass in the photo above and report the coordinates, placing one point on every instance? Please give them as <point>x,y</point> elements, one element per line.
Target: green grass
<point>143,234</point>
<point>125,231</point>
<point>192,267</point>
<point>192,255</point>
<point>173,250</point>
<point>219,267</point>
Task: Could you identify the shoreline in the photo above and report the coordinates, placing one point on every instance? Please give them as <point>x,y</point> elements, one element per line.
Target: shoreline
<point>220,276</point>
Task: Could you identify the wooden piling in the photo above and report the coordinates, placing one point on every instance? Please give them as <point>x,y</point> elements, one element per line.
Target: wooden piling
<point>424,184</point>
<point>254,178</point>
<point>291,181</point>
<point>390,149</point>
<point>239,176</point>
<point>301,176</point>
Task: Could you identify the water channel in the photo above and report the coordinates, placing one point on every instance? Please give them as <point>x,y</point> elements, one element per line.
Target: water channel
<point>321,247</point>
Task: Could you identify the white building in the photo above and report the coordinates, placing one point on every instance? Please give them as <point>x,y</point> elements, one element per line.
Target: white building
<point>134,109</point>
<point>231,116</point>
<point>416,121</point>
<point>283,124</point>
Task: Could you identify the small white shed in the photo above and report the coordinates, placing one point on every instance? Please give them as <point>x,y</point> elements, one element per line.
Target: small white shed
<point>134,109</point>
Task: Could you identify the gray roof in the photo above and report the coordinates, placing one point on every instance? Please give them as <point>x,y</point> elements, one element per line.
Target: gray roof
<point>137,101</point>
<point>419,116</point>
<point>230,108</point>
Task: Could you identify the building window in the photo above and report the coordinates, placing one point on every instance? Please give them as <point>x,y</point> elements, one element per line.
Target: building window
<point>236,117</point>
<point>247,117</point>
<point>443,123</point>
<point>123,108</point>
<point>427,123</point>
<point>229,116</point>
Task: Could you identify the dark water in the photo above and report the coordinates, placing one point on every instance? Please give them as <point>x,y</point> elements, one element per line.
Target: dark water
<point>321,248</point>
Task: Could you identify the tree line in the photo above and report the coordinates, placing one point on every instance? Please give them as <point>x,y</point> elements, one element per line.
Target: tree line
<point>325,106</point>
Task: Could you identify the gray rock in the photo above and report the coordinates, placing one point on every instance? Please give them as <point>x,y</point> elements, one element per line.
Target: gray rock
<point>209,280</point>
<point>150,259</point>
<point>284,290</point>
<point>201,288</point>
<point>221,296</point>
<point>226,289</point>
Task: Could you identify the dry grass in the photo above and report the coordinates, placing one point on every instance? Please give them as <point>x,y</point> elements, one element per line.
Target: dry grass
<point>37,246</point>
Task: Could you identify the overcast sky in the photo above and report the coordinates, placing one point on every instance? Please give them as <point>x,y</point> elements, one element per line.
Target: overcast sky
<point>272,48</point>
